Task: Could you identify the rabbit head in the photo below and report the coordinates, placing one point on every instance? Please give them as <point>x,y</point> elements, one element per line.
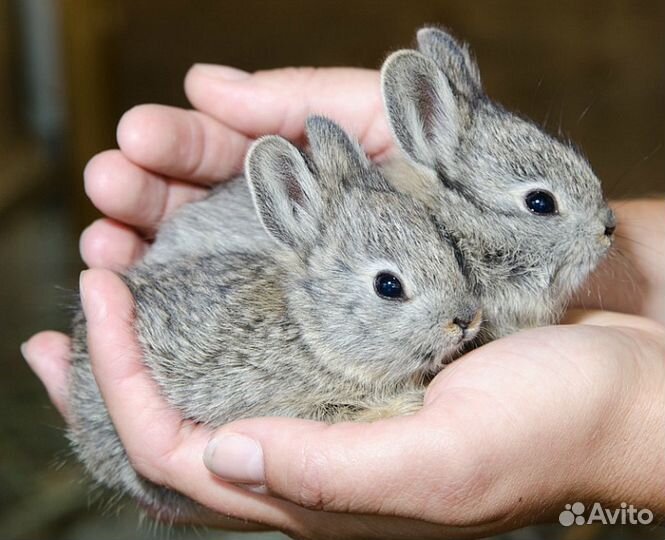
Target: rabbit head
<point>374,282</point>
<point>532,202</point>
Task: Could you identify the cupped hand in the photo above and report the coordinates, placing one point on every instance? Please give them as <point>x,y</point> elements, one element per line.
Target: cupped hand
<point>170,156</point>
<point>507,436</point>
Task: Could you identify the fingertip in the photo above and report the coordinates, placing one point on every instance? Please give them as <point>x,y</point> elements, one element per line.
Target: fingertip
<point>47,353</point>
<point>103,293</point>
<point>99,176</point>
<point>146,135</point>
<point>200,77</point>
<point>178,143</point>
<point>125,191</point>
<point>316,465</point>
<point>46,345</point>
<point>120,189</point>
<point>236,458</point>
<point>109,244</point>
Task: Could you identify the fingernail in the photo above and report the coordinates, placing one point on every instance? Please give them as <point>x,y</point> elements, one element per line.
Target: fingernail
<point>94,306</point>
<point>226,73</point>
<point>24,350</point>
<point>235,458</point>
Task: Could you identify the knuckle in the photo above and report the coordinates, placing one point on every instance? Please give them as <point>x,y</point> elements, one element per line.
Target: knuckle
<point>313,488</point>
<point>196,154</point>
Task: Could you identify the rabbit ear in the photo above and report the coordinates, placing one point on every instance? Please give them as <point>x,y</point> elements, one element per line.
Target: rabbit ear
<point>337,156</point>
<point>422,110</point>
<point>286,194</point>
<point>453,58</point>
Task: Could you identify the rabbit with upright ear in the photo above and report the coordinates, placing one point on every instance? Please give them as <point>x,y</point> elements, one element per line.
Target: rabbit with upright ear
<point>358,298</point>
<point>530,218</point>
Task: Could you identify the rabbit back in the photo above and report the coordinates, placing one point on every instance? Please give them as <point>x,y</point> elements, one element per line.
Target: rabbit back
<point>225,220</point>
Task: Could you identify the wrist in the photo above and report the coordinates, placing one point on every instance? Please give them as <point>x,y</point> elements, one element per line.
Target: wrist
<point>625,457</point>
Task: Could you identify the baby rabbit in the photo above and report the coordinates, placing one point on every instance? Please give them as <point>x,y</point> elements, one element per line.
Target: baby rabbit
<point>529,220</point>
<point>357,300</point>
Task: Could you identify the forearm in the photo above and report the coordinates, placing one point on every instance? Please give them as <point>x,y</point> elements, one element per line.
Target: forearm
<point>632,279</point>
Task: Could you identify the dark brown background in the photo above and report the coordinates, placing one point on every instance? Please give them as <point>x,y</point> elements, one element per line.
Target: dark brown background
<point>594,69</point>
<point>551,61</point>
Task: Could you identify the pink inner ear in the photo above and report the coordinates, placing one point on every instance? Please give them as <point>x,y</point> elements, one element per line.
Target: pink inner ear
<point>293,188</point>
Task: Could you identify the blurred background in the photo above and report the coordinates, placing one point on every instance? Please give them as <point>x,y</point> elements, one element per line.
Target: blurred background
<point>68,69</point>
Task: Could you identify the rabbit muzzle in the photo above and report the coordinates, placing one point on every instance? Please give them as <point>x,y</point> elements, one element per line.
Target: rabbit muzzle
<point>465,327</point>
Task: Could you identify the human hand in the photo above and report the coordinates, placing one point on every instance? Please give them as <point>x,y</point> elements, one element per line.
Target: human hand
<point>507,436</point>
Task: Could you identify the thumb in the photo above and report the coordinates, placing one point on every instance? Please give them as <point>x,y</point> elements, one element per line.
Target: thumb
<point>382,467</point>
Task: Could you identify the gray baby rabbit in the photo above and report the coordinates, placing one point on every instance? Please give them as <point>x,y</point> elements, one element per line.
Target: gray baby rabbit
<point>356,301</point>
<point>530,220</point>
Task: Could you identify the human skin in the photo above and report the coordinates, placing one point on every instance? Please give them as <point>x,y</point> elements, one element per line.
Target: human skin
<point>507,436</point>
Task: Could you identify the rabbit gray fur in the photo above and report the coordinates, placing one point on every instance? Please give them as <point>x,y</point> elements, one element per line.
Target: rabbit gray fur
<point>468,153</point>
<point>225,220</point>
<point>293,327</point>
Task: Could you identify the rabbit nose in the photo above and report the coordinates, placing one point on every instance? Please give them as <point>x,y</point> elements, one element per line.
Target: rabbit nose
<point>470,319</point>
<point>462,323</point>
<point>610,223</point>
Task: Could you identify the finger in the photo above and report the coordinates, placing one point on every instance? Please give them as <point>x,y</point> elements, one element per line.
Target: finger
<point>115,356</point>
<point>381,468</point>
<point>132,195</point>
<point>182,144</point>
<point>109,244</point>
<point>278,101</point>
<point>47,354</point>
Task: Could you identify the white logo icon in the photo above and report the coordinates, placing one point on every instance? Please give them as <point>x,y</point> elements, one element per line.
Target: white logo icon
<point>572,514</point>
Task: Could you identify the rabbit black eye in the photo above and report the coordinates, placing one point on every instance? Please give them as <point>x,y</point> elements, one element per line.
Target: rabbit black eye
<point>388,286</point>
<point>541,202</point>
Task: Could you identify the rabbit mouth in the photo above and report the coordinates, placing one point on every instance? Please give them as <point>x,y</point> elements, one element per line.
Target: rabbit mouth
<point>435,361</point>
